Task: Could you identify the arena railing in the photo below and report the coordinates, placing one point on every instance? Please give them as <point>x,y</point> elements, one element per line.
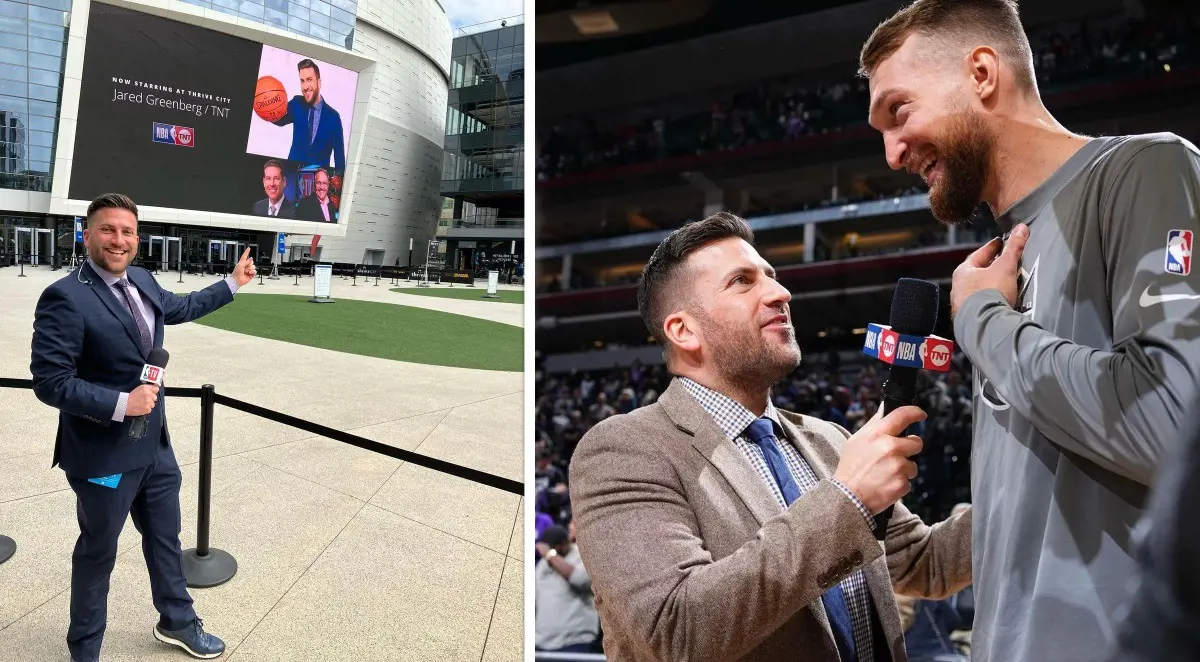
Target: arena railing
<point>205,565</point>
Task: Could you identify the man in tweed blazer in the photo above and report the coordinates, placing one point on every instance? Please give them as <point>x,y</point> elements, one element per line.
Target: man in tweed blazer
<point>716,527</point>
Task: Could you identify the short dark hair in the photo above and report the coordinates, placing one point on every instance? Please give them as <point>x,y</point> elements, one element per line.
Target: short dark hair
<point>954,19</point>
<point>111,201</point>
<point>657,288</point>
<point>309,64</point>
<point>273,163</point>
<point>555,535</point>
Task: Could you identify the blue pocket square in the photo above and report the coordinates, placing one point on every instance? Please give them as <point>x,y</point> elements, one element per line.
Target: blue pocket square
<point>107,481</point>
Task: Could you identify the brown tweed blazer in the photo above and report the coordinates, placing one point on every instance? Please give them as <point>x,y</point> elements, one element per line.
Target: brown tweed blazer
<point>692,558</point>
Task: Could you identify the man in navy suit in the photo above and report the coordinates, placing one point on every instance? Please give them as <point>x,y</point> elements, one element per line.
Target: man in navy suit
<point>316,127</point>
<point>92,333</point>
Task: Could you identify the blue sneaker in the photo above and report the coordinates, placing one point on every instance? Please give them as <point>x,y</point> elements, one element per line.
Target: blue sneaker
<point>192,639</point>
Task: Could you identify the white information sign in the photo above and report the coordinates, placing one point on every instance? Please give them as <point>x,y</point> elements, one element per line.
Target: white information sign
<point>323,280</point>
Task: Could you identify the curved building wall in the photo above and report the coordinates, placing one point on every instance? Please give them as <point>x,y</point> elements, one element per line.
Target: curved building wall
<point>397,190</point>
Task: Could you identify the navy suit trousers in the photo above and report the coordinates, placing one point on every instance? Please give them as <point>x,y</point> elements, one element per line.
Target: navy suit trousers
<point>151,496</point>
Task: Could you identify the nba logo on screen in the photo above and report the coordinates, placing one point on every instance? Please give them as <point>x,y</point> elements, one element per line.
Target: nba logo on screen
<point>172,134</point>
<point>1179,252</point>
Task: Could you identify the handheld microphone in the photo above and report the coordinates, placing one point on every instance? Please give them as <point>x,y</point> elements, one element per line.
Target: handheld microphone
<point>907,345</point>
<point>152,373</point>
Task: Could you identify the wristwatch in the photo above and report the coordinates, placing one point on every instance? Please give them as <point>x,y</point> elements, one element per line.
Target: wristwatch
<point>552,553</point>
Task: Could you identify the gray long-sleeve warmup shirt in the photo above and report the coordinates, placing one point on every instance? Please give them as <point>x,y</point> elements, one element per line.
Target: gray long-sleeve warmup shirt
<point>1078,392</point>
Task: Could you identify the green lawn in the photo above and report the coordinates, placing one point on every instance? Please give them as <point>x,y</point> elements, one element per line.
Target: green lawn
<point>383,330</point>
<point>464,292</point>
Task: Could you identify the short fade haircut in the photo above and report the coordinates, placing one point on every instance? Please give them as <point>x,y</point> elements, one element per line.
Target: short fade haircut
<point>658,289</point>
<point>111,201</point>
<point>309,64</point>
<point>951,21</point>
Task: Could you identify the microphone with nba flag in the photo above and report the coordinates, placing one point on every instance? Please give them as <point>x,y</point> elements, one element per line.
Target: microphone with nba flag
<point>907,345</point>
<point>152,373</point>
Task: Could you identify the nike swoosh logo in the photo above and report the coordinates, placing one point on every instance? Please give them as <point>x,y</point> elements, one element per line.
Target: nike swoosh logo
<point>1148,299</point>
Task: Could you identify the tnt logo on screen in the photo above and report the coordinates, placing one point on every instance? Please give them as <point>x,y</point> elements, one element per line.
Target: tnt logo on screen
<point>173,134</point>
<point>1179,252</point>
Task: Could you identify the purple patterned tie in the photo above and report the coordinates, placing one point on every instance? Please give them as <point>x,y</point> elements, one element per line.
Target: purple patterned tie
<point>143,330</point>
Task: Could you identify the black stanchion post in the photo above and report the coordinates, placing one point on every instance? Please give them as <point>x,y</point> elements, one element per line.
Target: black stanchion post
<point>7,548</point>
<point>297,277</point>
<point>181,270</point>
<point>205,566</point>
<point>260,277</point>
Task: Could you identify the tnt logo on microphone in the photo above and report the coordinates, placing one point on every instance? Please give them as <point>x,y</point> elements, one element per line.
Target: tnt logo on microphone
<point>1179,252</point>
<point>935,354</point>
<point>152,374</point>
<point>888,340</point>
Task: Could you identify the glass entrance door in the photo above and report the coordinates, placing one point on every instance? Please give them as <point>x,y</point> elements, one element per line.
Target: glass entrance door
<point>25,245</point>
<point>172,253</point>
<point>216,253</point>
<point>157,252</point>
<point>8,245</point>
<point>43,250</point>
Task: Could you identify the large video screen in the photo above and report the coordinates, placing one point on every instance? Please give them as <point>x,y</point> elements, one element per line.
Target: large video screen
<point>180,116</point>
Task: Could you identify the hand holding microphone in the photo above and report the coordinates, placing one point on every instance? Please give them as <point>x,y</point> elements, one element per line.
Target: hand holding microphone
<point>874,463</point>
<point>144,398</point>
<point>907,345</point>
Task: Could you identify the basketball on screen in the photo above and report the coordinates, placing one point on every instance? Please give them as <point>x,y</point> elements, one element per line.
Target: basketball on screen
<point>270,99</point>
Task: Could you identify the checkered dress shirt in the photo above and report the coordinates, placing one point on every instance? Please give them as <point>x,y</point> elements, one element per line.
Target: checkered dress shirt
<point>733,419</point>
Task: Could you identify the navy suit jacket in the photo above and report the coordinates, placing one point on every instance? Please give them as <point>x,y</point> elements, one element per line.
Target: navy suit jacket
<point>86,351</point>
<point>329,140</point>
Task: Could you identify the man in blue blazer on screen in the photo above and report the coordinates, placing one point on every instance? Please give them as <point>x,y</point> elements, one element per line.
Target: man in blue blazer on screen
<point>93,332</point>
<point>316,127</point>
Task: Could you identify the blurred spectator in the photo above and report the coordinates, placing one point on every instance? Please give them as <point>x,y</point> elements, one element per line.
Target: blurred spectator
<point>565,618</point>
<point>1067,53</point>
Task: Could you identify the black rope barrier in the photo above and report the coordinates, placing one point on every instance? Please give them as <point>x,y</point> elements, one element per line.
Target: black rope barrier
<point>206,566</point>
<point>473,475</point>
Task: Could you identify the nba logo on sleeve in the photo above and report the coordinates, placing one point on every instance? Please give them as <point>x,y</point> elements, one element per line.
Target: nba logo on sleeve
<point>1179,252</point>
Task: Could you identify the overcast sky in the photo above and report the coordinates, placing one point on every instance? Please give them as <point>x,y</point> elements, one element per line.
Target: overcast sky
<point>469,12</point>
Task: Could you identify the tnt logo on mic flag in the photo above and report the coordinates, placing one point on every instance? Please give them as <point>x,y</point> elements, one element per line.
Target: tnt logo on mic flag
<point>1179,252</point>
<point>173,134</point>
<point>888,341</point>
<point>152,374</point>
<point>935,354</point>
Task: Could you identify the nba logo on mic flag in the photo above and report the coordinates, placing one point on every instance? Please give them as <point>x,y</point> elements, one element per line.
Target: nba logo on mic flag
<point>1179,252</point>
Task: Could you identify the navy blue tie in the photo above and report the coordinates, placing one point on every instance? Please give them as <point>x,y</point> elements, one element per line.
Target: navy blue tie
<point>762,432</point>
